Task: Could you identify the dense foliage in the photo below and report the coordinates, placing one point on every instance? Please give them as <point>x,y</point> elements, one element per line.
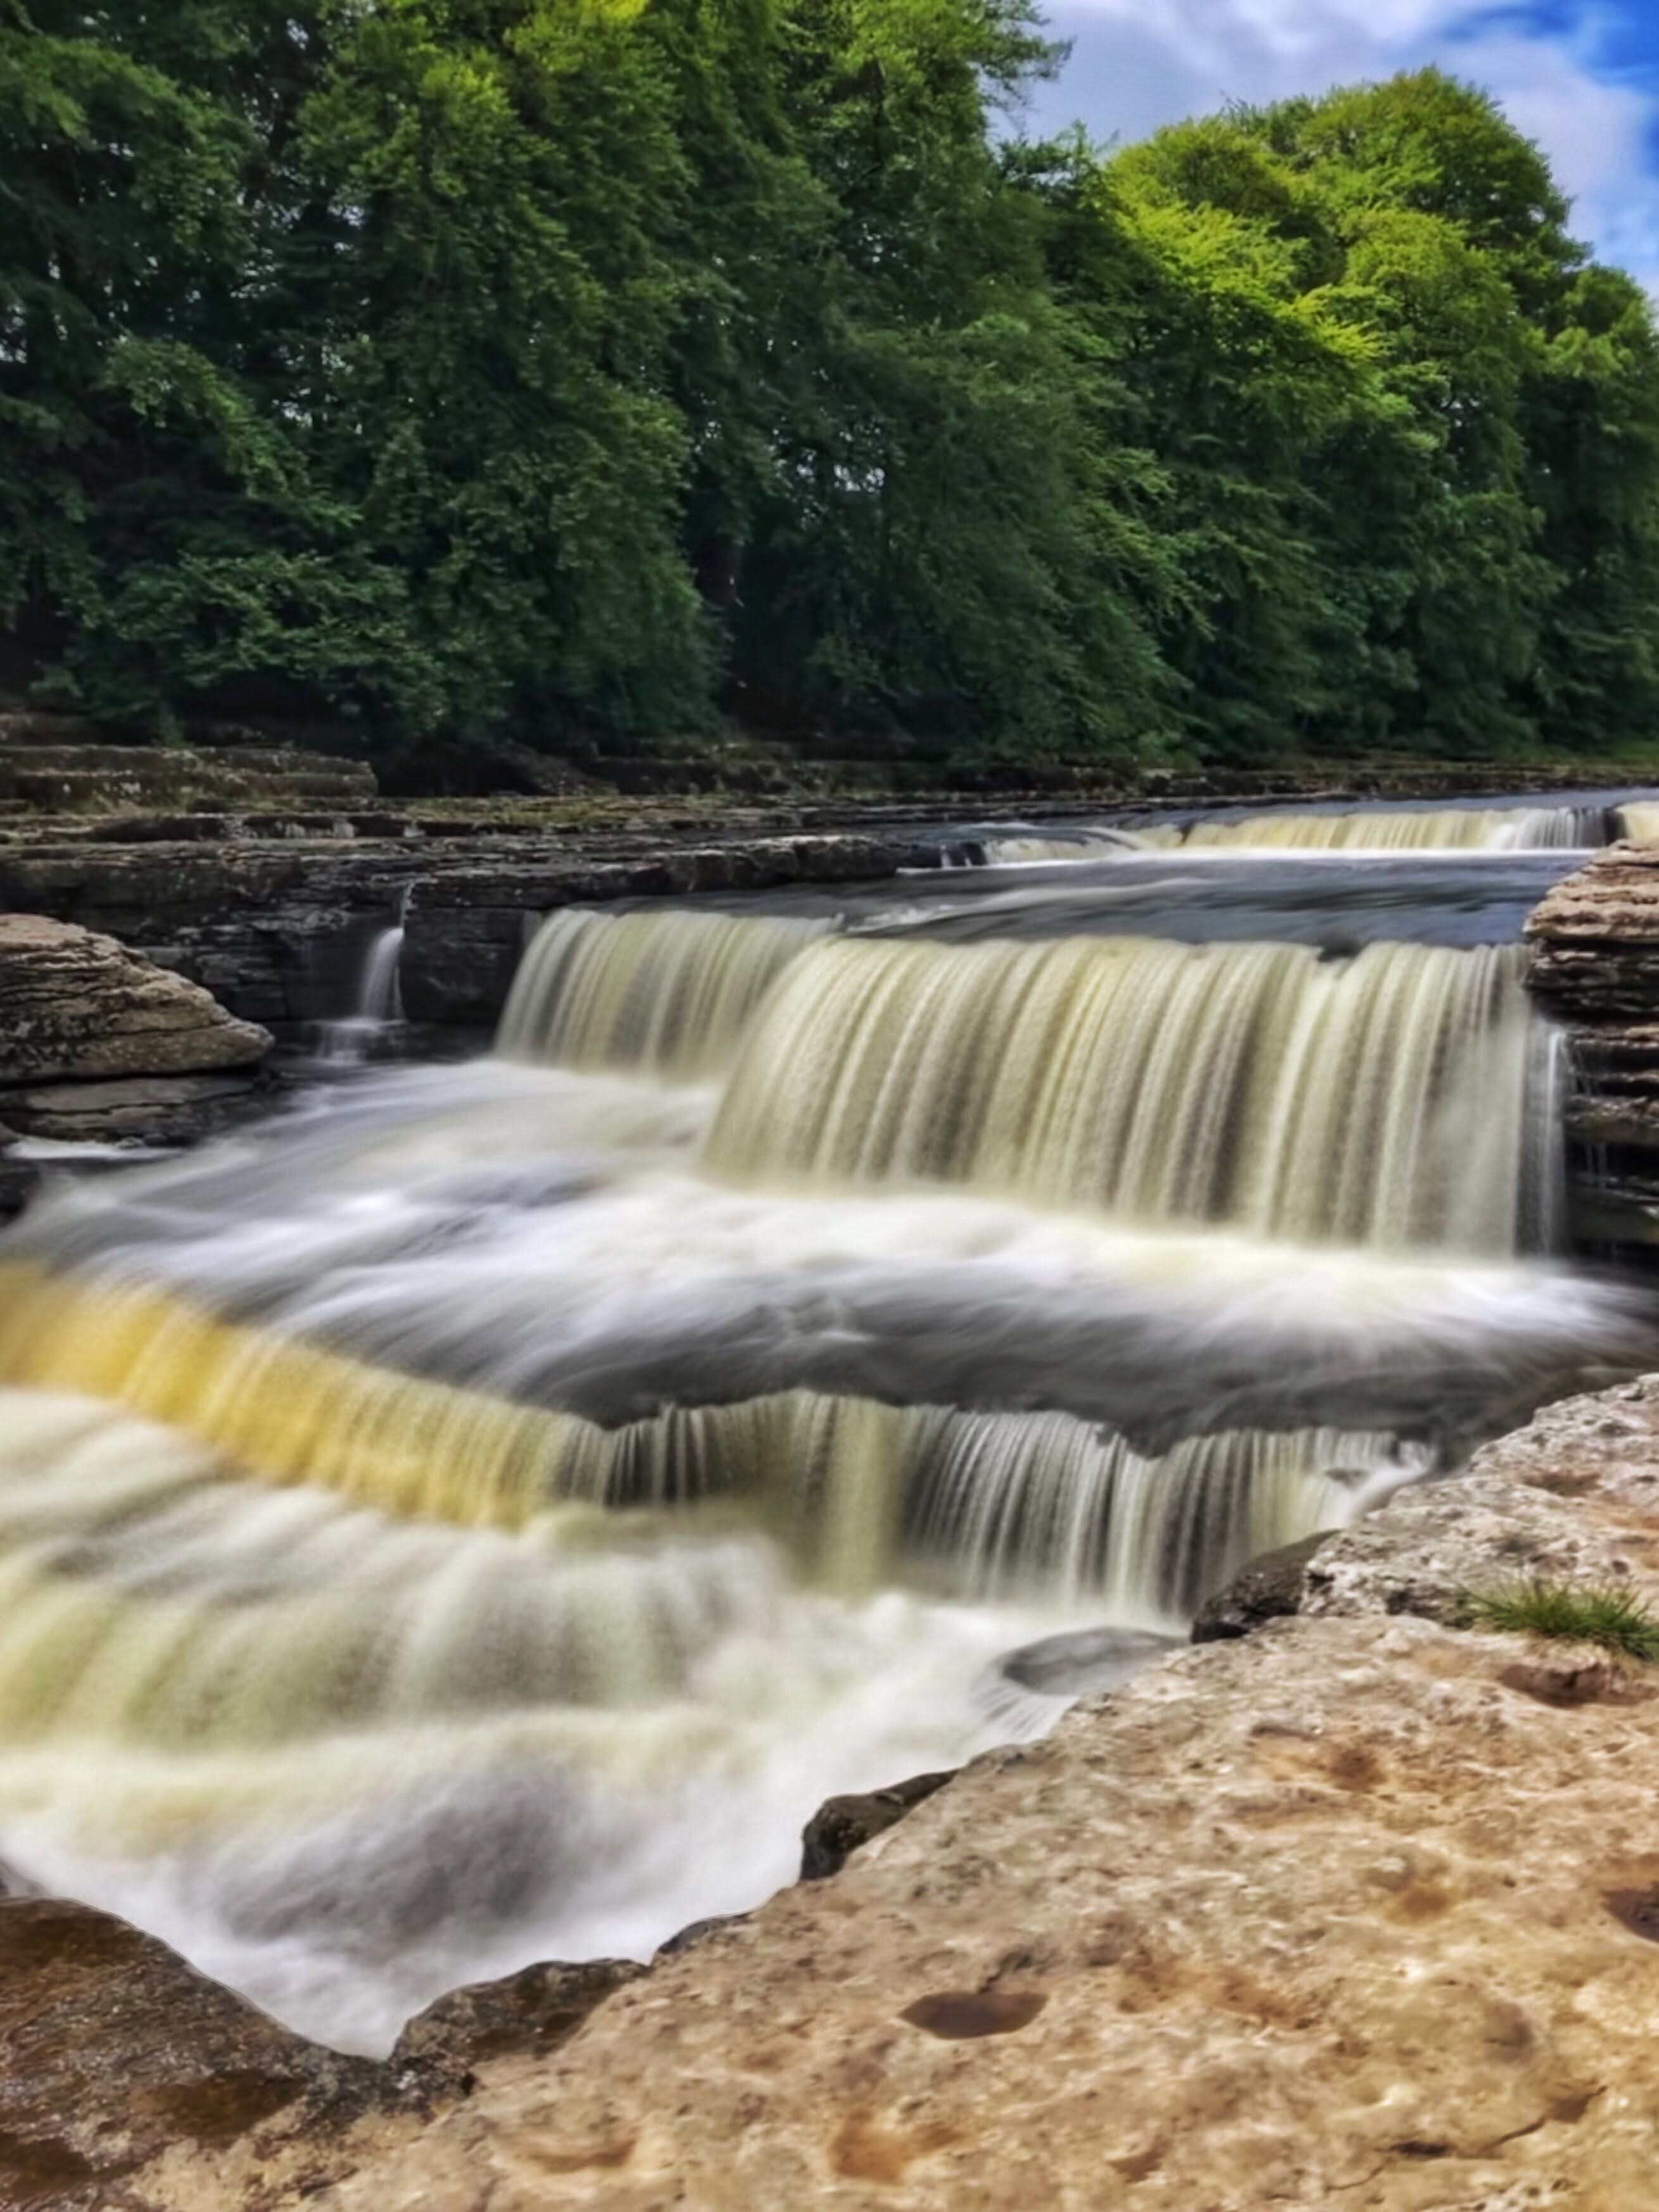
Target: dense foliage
<point>589,372</point>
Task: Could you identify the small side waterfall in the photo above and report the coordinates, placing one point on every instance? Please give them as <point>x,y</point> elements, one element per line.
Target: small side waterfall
<point>1382,1100</point>
<point>1382,830</point>
<point>377,1003</point>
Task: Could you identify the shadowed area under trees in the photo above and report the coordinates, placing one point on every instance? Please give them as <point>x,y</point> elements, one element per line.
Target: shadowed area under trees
<point>418,372</point>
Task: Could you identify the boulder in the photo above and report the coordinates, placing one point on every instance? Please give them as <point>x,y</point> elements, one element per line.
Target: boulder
<point>530,2013</point>
<point>76,1006</point>
<point>1266,1587</point>
<point>841,1825</point>
<point>119,2057</point>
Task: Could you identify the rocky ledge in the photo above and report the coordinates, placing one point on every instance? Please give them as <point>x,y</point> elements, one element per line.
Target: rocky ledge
<point>1359,1909</point>
<point>99,1044</point>
<point>1594,965</point>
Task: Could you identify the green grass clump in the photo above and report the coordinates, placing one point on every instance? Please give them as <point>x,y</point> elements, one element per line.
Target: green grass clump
<point>1601,1612</point>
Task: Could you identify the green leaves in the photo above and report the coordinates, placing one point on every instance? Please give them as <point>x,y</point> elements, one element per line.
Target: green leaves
<point>581,368</point>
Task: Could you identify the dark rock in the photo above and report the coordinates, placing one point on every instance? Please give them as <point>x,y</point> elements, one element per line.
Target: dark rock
<point>116,2050</point>
<point>1266,1587</point>
<point>701,1931</point>
<point>532,2012</point>
<point>144,1110</point>
<point>1081,1661</point>
<point>841,1824</point>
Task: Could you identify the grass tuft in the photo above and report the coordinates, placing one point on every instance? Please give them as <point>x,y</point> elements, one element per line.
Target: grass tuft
<point>1601,1612</point>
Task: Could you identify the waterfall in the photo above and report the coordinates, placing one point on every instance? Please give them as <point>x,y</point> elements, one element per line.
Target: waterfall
<point>1639,819</point>
<point>377,1003</point>
<point>477,1519</point>
<point>1384,830</point>
<point>1382,1100</point>
<point>669,991</point>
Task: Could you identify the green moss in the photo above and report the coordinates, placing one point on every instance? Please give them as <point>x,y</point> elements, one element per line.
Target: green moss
<point>1605,1613</point>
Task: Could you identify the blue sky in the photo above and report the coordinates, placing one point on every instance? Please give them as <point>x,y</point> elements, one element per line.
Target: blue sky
<point>1580,77</point>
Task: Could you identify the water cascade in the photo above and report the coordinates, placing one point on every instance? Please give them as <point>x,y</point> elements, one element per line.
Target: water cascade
<point>670,992</point>
<point>1253,1083</point>
<point>1380,829</point>
<point>376,1005</point>
<point>479,1518</point>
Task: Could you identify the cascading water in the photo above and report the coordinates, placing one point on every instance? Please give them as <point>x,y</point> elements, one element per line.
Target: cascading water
<point>597,990</point>
<point>377,1003</point>
<point>1375,830</point>
<point>1251,1084</point>
<point>480,1519</point>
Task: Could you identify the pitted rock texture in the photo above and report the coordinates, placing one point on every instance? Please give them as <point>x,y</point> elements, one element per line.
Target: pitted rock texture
<point>76,1006</point>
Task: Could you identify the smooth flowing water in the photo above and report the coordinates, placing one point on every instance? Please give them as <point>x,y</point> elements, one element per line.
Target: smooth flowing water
<point>479,1516</point>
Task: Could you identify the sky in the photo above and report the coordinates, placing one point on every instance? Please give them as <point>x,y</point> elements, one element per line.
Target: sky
<point>1579,76</point>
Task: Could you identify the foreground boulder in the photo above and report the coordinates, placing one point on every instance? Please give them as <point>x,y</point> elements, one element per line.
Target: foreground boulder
<point>118,2059</point>
<point>97,1044</point>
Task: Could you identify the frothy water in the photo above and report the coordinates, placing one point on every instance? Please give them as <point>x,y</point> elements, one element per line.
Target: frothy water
<point>479,1516</point>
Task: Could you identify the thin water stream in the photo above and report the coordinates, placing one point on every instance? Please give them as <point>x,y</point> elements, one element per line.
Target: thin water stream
<point>479,1515</point>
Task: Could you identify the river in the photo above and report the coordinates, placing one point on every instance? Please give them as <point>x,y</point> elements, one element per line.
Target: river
<point>477,1516</point>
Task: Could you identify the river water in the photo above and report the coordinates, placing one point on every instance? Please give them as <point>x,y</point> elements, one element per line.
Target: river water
<point>478,1515</point>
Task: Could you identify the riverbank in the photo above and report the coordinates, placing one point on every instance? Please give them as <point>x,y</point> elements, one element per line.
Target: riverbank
<point>1358,1910</point>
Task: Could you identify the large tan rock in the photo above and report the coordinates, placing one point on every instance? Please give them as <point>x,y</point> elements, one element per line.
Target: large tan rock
<point>75,1005</point>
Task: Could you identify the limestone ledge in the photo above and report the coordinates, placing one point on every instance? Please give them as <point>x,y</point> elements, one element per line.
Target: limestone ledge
<point>1359,1910</point>
<point>97,1043</point>
<point>1594,943</point>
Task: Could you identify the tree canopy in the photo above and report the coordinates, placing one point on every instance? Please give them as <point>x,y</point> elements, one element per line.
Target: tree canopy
<point>599,371</point>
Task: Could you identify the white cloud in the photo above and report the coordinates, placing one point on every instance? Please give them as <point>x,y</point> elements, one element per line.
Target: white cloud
<point>1138,64</point>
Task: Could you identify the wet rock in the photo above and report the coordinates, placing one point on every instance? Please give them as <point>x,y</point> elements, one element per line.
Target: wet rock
<point>19,1178</point>
<point>161,1109</point>
<point>1266,1587</point>
<point>76,1006</point>
<point>1083,1661</point>
<point>530,2014</point>
<point>700,1931</point>
<point>117,2055</point>
<point>841,1825</point>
